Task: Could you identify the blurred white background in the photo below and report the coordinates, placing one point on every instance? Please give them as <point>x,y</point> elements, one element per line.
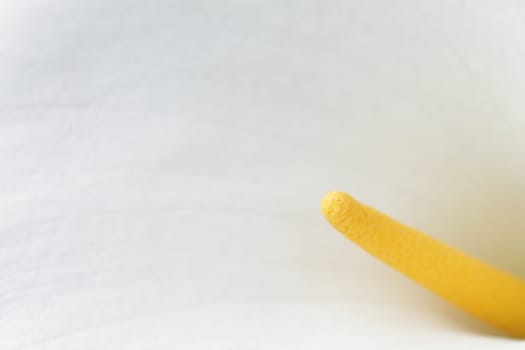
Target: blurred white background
<point>162,163</point>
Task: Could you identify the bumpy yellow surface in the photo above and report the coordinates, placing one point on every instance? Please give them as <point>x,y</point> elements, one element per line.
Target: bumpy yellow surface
<point>491,295</point>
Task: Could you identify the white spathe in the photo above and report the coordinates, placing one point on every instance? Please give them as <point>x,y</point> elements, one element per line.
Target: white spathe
<point>162,163</point>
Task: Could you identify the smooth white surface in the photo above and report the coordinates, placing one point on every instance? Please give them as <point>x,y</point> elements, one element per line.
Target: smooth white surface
<point>162,162</point>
